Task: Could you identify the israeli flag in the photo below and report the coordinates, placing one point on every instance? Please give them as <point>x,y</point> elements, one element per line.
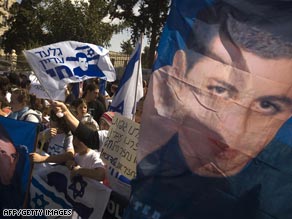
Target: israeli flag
<point>130,89</point>
<point>58,64</point>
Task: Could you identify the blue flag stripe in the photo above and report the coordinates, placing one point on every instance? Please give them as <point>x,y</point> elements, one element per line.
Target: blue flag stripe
<point>130,67</point>
<point>50,194</point>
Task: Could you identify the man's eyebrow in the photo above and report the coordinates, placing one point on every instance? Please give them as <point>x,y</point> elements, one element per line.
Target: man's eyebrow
<point>230,87</point>
<point>285,100</point>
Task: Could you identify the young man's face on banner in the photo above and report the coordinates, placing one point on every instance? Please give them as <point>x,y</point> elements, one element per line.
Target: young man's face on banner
<point>8,161</point>
<point>225,115</point>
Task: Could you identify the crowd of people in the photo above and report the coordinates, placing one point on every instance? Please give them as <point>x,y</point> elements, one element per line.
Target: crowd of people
<point>74,139</point>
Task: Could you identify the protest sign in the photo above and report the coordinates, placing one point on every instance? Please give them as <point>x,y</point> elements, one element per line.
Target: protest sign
<point>120,148</point>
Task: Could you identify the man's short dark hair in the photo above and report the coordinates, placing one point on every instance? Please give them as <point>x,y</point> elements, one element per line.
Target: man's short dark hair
<point>80,55</point>
<point>89,88</point>
<point>253,31</point>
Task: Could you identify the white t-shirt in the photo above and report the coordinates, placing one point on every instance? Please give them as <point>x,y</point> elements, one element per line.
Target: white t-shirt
<point>60,143</point>
<point>89,160</point>
<point>102,134</point>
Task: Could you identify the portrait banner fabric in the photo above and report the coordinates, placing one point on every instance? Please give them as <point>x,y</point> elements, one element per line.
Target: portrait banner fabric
<point>58,64</point>
<point>17,140</point>
<point>214,139</point>
<point>52,188</point>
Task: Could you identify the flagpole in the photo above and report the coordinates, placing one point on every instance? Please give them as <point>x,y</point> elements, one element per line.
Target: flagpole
<point>137,78</point>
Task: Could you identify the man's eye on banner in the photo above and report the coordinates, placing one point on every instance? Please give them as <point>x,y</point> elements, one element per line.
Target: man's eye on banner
<point>219,93</point>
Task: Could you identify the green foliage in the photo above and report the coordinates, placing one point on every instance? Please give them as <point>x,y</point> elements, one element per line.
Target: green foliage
<point>149,19</point>
<point>25,27</point>
<point>127,47</point>
<point>41,22</point>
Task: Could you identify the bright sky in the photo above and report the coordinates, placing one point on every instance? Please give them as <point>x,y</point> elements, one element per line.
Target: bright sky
<point>117,39</point>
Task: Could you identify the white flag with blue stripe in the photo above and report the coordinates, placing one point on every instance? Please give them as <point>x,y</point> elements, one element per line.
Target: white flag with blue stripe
<point>52,188</point>
<point>58,64</point>
<point>130,89</point>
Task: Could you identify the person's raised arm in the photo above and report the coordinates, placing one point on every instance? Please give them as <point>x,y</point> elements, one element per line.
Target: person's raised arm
<point>85,134</point>
<point>71,120</point>
<point>59,158</point>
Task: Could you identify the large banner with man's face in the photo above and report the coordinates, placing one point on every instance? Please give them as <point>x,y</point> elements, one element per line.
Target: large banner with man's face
<point>17,140</point>
<point>219,93</point>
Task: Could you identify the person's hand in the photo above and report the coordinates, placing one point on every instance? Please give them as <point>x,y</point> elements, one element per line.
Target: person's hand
<point>52,132</point>
<point>70,164</point>
<point>59,107</point>
<point>2,113</point>
<point>37,158</point>
<point>74,172</point>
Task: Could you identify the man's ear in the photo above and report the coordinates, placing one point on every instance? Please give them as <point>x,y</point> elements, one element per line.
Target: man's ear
<point>179,63</point>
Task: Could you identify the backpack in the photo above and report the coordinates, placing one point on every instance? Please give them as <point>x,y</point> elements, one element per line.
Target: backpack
<point>37,114</point>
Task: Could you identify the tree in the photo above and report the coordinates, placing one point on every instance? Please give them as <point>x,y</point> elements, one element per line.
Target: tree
<point>149,19</point>
<point>127,47</point>
<point>40,22</point>
<point>99,32</point>
<point>62,20</point>
<point>25,27</point>
<point>80,21</point>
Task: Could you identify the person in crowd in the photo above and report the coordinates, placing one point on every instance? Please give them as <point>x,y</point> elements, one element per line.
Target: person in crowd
<point>24,81</point>
<point>139,110</point>
<point>80,107</point>
<point>95,107</point>
<point>106,120</point>
<point>5,87</point>
<point>93,139</point>
<point>20,106</point>
<point>4,107</point>
<point>210,115</point>
<point>87,162</point>
<point>42,106</point>
<point>70,96</point>
<point>112,90</point>
<point>14,79</point>
<point>105,123</point>
<point>59,140</point>
<point>85,134</point>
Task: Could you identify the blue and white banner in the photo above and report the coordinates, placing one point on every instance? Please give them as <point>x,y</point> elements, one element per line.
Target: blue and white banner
<point>130,89</point>
<point>215,138</point>
<point>17,140</point>
<point>52,188</point>
<point>66,62</point>
<point>37,89</point>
